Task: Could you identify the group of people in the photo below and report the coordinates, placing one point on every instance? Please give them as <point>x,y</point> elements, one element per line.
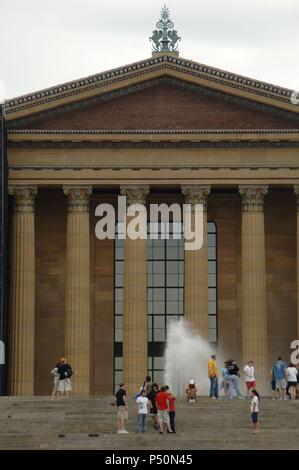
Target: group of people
<point>230,374</point>
<point>284,380</point>
<point>150,401</point>
<point>160,403</point>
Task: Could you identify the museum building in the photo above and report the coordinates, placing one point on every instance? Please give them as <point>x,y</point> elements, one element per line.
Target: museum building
<point>161,130</point>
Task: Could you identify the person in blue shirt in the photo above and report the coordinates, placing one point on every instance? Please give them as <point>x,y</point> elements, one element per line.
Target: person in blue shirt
<point>224,382</point>
<point>279,369</point>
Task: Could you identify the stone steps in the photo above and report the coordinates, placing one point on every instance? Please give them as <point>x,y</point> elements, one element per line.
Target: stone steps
<point>41,423</point>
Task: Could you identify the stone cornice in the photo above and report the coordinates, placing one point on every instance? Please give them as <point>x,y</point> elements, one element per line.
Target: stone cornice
<point>253,197</point>
<point>78,197</point>
<point>154,167</point>
<point>152,144</point>
<point>23,197</point>
<point>228,80</point>
<point>149,132</point>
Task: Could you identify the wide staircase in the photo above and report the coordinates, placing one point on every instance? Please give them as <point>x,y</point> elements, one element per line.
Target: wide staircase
<point>41,423</point>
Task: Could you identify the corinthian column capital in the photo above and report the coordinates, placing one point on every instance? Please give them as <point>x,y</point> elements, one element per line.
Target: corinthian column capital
<point>135,194</point>
<point>196,194</point>
<point>23,197</point>
<point>78,197</point>
<point>296,191</point>
<point>253,197</point>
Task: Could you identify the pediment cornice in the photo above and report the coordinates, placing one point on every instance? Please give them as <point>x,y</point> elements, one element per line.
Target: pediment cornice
<point>149,69</point>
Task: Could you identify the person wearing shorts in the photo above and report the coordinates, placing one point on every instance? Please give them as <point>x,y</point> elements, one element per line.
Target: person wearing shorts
<point>65,373</point>
<point>249,377</point>
<point>56,380</point>
<point>292,374</point>
<point>162,402</point>
<point>122,409</point>
<point>279,372</point>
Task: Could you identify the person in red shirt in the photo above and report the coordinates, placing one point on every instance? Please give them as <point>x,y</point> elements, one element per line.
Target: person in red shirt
<point>162,402</point>
<point>171,400</point>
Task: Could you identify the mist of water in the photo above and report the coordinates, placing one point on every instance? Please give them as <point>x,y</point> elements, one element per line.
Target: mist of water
<point>186,357</point>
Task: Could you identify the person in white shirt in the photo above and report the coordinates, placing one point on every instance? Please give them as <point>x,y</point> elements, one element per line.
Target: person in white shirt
<point>254,409</point>
<point>143,409</point>
<point>249,377</point>
<point>291,376</point>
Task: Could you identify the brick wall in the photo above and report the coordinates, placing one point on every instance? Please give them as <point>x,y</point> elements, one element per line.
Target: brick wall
<point>165,107</point>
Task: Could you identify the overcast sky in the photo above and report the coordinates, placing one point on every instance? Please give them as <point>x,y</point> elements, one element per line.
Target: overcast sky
<point>47,42</point>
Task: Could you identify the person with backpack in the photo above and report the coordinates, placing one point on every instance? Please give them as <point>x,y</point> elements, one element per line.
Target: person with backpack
<point>65,372</point>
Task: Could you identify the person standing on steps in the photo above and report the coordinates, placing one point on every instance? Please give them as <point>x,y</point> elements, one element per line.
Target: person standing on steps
<point>171,399</point>
<point>56,379</point>
<point>224,383</point>
<point>153,406</point>
<point>273,383</point>
<point>143,408</point>
<point>291,375</point>
<point>233,379</point>
<point>122,407</point>
<point>249,377</point>
<point>163,410</point>
<point>280,377</point>
<point>213,376</point>
<point>254,409</point>
<point>65,372</point>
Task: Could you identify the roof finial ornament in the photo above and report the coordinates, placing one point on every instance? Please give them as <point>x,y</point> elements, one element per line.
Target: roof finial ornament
<point>165,38</point>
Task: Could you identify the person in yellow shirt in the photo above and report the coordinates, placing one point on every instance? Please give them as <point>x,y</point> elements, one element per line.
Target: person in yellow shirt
<point>213,376</point>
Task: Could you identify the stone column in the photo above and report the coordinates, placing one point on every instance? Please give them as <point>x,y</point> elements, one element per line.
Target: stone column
<point>77,328</point>
<point>22,292</point>
<point>135,300</point>
<point>254,307</point>
<point>196,293</point>
<point>296,190</point>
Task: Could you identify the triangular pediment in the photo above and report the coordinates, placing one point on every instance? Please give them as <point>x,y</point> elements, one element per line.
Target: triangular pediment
<point>162,104</point>
<point>159,93</point>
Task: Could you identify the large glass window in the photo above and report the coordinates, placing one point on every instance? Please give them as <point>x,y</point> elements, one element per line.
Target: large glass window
<point>165,267</point>
<point>165,292</point>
